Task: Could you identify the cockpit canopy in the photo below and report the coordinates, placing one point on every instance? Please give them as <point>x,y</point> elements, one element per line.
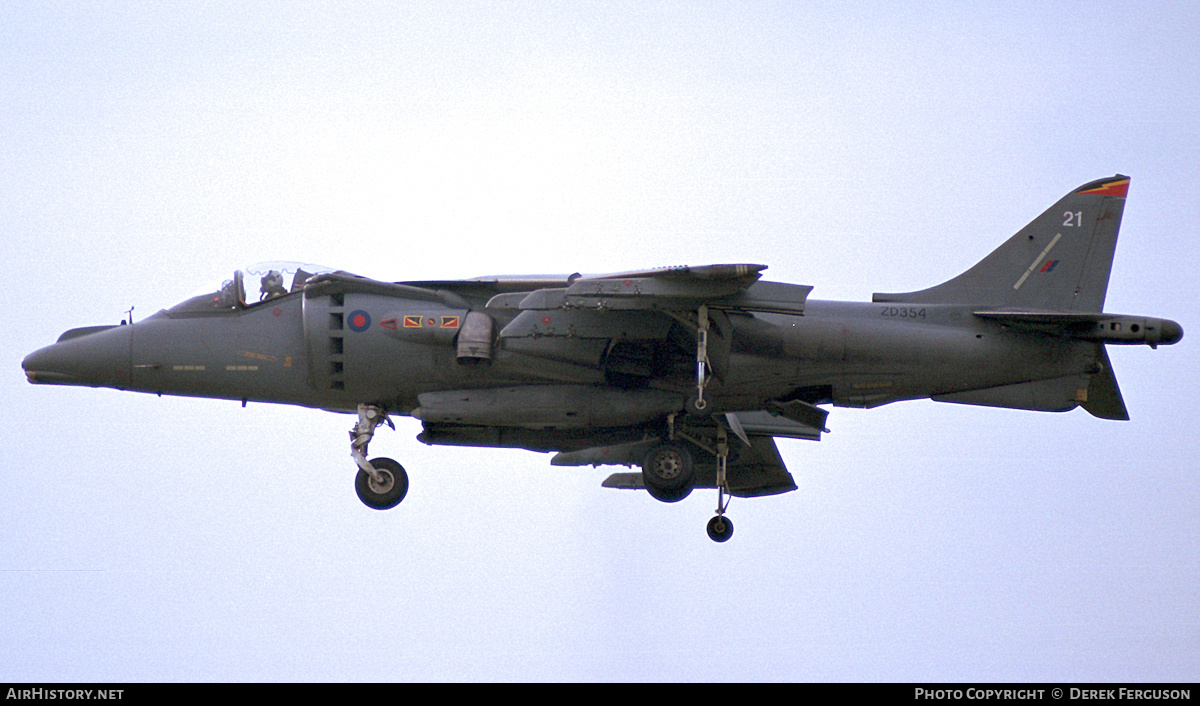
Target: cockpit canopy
<point>251,286</point>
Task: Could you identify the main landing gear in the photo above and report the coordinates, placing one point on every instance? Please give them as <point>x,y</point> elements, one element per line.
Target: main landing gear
<point>381,482</point>
<point>668,473</point>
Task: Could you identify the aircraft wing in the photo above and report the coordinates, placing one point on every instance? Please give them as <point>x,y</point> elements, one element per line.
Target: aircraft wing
<point>751,471</point>
<point>755,467</point>
<point>729,287</point>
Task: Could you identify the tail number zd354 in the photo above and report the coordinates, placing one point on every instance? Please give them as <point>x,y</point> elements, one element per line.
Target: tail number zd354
<point>903,312</point>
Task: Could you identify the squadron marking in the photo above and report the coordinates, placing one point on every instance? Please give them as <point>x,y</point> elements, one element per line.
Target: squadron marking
<point>1037,260</point>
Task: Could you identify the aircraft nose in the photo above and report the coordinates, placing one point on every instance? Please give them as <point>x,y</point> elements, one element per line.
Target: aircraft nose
<point>97,356</point>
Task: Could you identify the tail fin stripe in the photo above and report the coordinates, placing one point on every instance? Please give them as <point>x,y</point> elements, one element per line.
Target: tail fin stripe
<point>1112,188</point>
<point>1037,260</point>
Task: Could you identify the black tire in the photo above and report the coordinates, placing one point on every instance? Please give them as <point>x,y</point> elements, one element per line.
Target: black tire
<point>720,529</point>
<point>391,493</point>
<point>667,472</point>
<point>669,496</point>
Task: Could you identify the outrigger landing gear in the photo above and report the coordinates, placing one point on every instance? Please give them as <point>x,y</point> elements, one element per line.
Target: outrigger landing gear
<point>381,483</point>
<point>667,472</point>
<point>720,528</point>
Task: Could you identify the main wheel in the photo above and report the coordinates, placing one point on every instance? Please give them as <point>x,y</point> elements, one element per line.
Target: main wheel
<point>667,472</point>
<point>720,529</point>
<point>672,495</point>
<point>387,494</point>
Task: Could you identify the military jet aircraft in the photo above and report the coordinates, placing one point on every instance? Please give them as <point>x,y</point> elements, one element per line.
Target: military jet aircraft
<point>687,373</point>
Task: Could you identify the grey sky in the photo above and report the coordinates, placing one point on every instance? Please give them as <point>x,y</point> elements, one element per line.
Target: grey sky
<point>148,150</point>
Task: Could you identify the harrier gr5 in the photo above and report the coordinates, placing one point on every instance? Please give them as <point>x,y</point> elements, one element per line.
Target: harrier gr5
<point>686,374</point>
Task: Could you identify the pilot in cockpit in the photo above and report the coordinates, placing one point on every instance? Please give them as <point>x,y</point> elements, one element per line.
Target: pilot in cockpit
<point>272,286</point>
<point>227,296</point>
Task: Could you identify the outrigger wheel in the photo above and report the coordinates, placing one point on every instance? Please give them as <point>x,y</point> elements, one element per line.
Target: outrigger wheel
<point>386,492</point>
<point>720,528</point>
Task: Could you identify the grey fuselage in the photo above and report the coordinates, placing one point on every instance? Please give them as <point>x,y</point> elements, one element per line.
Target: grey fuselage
<point>310,351</point>
<point>659,368</point>
<point>583,361</point>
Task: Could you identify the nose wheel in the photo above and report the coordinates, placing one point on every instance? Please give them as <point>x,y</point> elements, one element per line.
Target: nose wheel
<point>386,489</point>
<point>381,483</point>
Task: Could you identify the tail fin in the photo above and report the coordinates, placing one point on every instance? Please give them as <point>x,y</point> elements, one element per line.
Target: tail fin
<point>1059,262</point>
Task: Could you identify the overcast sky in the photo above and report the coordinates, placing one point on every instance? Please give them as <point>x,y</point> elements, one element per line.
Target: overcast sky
<point>149,149</point>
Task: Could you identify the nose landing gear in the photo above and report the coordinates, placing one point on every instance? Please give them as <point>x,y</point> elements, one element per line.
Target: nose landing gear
<point>386,489</point>
<point>381,483</point>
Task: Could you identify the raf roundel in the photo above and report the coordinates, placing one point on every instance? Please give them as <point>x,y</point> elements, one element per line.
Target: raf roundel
<point>359,321</point>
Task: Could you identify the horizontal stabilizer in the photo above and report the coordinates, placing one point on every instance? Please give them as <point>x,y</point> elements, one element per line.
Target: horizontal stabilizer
<point>1092,326</point>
